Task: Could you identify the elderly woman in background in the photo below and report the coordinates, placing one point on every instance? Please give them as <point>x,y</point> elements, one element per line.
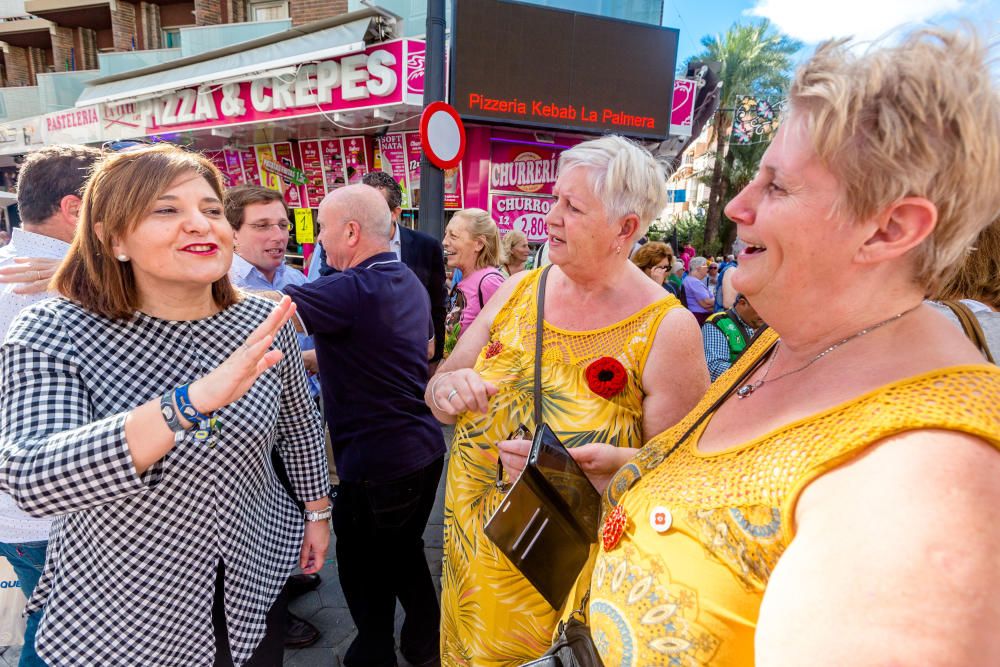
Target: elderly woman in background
<point>832,499</point>
<point>471,245</point>
<point>143,406</point>
<point>515,251</point>
<point>977,287</point>
<point>601,313</point>
<point>656,259</point>
<point>699,299</point>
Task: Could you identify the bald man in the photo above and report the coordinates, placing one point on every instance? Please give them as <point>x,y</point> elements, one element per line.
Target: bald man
<point>373,332</point>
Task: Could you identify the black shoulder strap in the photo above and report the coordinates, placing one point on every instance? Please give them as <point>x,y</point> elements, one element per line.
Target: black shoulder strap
<point>479,287</point>
<point>539,330</point>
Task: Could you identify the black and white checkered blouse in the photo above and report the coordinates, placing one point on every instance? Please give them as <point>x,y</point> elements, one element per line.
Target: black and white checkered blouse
<point>130,574</point>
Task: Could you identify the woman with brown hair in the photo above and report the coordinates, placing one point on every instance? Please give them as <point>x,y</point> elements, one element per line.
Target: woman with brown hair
<point>143,406</point>
<point>655,259</point>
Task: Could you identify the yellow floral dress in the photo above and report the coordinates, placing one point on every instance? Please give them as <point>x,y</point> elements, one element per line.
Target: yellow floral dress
<point>491,615</point>
<point>688,591</point>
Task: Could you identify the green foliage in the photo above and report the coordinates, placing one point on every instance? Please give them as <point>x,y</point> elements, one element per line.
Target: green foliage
<point>755,60</point>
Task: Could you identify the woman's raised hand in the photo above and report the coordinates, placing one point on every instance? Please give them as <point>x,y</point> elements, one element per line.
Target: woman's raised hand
<point>458,391</point>
<point>234,376</point>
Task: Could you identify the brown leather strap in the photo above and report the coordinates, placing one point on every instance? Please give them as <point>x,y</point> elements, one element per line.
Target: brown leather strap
<point>970,325</point>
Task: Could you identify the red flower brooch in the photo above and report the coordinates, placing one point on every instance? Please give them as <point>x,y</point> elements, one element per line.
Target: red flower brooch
<point>606,377</point>
<point>614,527</point>
<point>493,349</point>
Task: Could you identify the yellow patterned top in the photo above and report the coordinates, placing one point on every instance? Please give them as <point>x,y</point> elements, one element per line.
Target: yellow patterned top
<point>691,595</point>
<point>491,615</point>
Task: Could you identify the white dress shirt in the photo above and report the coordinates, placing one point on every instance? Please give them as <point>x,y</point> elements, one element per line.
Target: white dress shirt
<point>16,527</point>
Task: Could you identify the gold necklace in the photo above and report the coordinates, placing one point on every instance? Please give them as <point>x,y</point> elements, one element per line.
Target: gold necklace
<point>749,388</point>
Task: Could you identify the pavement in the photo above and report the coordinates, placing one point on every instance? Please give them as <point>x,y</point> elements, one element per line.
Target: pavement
<point>325,607</point>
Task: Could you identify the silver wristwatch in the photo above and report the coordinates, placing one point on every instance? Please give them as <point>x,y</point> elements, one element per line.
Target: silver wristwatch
<point>319,515</point>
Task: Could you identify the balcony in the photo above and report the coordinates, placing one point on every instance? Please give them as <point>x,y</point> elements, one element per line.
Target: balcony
<point>58,91</point>
<point>19,102</point>
<point>26,32</point>
<point>93,14</point>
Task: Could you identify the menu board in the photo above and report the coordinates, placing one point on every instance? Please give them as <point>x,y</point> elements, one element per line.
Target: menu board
<point>251,170</point>
<point>219,160</point>
<point>393,151</point>
<point>293,193</point>
<point>234,168</point>
<point>333,164</point>
<point>413,152</point>
<point>355,159</point>
<point>265,153</point>
<point>312,165</point>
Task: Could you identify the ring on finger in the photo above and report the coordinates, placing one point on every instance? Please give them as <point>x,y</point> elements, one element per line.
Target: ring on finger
<point>451,394</point>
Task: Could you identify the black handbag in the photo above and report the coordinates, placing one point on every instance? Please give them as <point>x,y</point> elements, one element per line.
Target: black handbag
<point>548,519</point>
<point>573,647</point>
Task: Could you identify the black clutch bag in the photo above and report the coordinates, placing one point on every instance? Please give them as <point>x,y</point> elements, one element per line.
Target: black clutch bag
<point>548,519</point>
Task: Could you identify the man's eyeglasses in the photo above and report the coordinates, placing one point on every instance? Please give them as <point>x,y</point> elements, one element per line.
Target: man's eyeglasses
<point>266,226</point>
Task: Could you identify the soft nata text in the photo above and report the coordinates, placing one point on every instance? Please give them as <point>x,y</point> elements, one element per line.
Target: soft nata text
<point>358,78</point>
<point>549,111</point>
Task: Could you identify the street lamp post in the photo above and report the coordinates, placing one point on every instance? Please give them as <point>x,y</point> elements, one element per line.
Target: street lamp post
<point>431,177</point>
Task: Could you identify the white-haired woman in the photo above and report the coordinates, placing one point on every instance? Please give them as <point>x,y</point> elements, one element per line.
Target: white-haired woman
<point>621,362</point>
<point>832,500</point>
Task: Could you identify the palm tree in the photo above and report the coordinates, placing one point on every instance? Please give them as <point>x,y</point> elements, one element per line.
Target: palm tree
<point>754,60</point>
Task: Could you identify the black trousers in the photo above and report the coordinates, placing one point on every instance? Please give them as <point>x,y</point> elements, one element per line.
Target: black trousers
<point>380,556</point>
<point>271,650</point>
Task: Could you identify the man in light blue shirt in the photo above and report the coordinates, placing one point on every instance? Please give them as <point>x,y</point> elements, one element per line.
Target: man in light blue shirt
<point>260,220</point>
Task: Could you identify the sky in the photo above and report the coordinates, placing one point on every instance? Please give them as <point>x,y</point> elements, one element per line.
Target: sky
<point>812,21</point>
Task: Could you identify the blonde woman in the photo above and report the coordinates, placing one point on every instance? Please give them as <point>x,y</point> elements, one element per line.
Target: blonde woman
<point>515,253</point>
<point>471,245</point>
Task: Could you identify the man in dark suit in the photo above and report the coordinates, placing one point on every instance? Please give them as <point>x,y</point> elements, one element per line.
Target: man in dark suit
<point>419,251</point>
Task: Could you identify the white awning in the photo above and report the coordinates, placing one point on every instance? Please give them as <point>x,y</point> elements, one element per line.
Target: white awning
<point>232,63</point>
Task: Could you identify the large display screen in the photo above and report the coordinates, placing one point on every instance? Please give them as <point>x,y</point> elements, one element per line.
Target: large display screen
<point>529,65</point>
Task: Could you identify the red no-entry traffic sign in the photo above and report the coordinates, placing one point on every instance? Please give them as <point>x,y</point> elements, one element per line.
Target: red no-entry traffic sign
<point>442,135</point>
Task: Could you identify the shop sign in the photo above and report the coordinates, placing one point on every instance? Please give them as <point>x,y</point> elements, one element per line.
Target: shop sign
<point>682,113</point>
<point>372,78</point>
<point>415,59</point>
<point>76,126</point>
<point>523,214</point>
<point>523,168</point>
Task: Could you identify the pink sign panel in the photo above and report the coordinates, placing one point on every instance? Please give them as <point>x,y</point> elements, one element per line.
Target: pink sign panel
<point>682,114</point>
<point>453,194</point>
<point>233,166</point>
<point>312,165</point>
<point>374,77</point>
<point>333,164</point>
<point>355,159</point>
<point>393,150</point>
<point>413,166</point>
<point>523,214</point>
<point>251,171</point>
<point>415,51</point>
<point>284,156</point>
<point>523,168</point>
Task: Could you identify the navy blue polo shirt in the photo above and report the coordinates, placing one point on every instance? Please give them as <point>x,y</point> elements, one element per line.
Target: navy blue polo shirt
<point>372,324</point>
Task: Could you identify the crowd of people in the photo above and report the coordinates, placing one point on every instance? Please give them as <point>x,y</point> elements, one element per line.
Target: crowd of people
<point>796,448</point>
